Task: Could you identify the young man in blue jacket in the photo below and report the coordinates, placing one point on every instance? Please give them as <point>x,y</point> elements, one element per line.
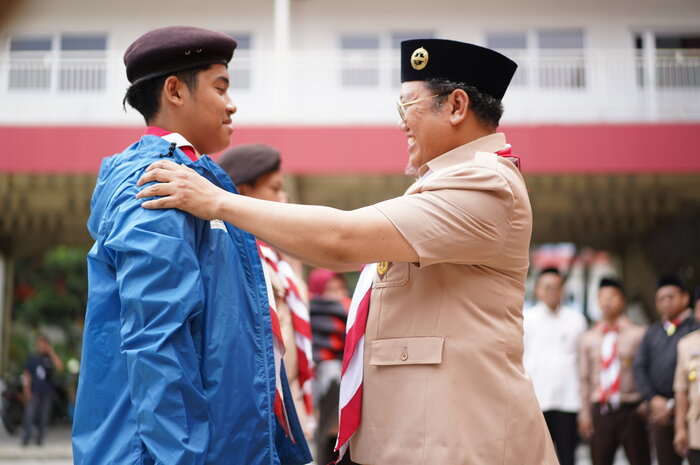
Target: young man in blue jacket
<point>178,362</point>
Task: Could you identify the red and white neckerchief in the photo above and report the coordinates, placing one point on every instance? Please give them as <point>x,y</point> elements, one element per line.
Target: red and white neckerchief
<point>350,406</point>
<point>300,320</point>
<point>180,142</point>
<point>278,347</point>
<point>508,154</point>
<point>609,368</point>
<point>670,326</point>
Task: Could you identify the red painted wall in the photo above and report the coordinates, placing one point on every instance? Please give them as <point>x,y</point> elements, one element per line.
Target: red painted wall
<point>615,149</point>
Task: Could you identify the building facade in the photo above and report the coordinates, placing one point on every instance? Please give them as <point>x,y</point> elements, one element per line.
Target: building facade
<point>604,109</point>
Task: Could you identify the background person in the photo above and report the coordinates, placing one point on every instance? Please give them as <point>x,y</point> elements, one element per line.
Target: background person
<point>609,397</point>
<point>552,333</point>
<point>39,389</point>
<point>655,364</point>
<point>255,169</point>
<point>687,395</point>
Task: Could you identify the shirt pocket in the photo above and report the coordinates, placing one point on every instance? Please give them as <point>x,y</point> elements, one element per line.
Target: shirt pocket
<point>396,274</point>
<point>407,351</point>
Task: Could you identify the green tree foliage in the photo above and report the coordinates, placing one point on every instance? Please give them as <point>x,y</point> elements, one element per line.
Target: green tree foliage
<point>50,291</point>
<point>53,290</point>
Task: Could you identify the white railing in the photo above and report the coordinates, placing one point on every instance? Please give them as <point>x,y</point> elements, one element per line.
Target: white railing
<point>321,87</point>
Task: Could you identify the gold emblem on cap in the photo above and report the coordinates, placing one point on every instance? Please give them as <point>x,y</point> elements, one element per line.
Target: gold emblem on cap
<point>419,58</point>
<point>382,268</point>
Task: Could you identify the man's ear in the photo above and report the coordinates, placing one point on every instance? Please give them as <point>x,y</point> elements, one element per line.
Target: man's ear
<point>458,102</point>
<point>173,91</point>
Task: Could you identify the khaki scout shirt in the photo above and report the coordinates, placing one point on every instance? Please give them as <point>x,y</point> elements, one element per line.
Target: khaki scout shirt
<point>686,380</point>
<point>443,375</point>
<point>628,339</point>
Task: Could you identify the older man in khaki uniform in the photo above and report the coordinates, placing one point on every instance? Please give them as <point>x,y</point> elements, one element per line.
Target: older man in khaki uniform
<point>687,390</point>
<point>443,375</point>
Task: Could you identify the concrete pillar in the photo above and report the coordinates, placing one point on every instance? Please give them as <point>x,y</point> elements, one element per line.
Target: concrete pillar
<point>650,93</point>
<point>282,13</point>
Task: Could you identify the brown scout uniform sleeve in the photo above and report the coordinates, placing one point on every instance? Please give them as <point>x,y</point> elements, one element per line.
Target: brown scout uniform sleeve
<point>444,222</point>
<point>586,384</point>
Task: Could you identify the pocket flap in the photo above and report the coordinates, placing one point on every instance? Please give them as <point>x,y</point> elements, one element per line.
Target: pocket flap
<point>407,351</point>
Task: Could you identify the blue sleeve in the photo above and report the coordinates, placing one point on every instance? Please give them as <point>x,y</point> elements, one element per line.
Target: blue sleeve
<point>641,369</point>
<point>161,293</point>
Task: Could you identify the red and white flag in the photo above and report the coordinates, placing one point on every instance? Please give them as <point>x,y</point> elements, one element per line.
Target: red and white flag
<point>300,320</point>
<point>350,407</point>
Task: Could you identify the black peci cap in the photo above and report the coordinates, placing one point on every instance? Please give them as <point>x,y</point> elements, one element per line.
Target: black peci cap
<point>670,279</point>
<point>549,270</point>
<point>487,70</point>
<point>176,48</point>
<point>246,163</point>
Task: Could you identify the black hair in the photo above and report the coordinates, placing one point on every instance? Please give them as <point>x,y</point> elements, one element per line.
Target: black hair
<point>144,95</point>
<point>487,109</point>
<point>611,282</point>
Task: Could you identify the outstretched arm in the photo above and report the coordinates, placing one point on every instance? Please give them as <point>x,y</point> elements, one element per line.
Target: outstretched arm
<point>316,234</point>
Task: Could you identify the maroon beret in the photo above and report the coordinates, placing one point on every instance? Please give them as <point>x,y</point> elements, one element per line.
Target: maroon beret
<point>176,48</point>
<point>483,68</point>
<point>246,163</point>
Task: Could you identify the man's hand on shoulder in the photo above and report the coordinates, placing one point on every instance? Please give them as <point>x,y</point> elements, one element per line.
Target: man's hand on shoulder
<point>178,186</point>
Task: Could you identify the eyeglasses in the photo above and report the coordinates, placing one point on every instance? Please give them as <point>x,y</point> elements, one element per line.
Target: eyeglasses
<point>402,105</point>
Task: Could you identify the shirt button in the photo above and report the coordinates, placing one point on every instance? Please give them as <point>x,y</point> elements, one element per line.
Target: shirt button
<point>404,356</point>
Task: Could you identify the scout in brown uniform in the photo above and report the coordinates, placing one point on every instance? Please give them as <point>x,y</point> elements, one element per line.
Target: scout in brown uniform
<point>443,376</point>
<point>609,397</point>
<point>687,390</point>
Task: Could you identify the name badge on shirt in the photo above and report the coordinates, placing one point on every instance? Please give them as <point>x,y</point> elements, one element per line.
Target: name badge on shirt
<point>217,224</point>
<point>693,368</point>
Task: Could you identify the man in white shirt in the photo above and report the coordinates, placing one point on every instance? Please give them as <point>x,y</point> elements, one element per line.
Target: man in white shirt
<point>552,334</point>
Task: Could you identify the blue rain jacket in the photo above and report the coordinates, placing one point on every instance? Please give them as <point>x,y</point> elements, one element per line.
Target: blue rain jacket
<point>178,363</point>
